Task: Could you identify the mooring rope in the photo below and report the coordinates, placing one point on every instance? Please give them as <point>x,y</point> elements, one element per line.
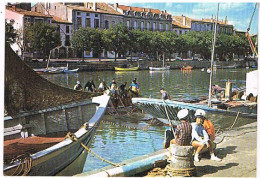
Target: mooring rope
<point>74,138</point>
<point>172,172</point>
<point>24,166</point>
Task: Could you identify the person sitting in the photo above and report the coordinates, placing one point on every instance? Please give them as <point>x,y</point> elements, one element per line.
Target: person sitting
<point>217,90</point>
<point>122,89</point>
<point>183,130</point>
<point>207,124</point>
<point>113,86</point>
<point>134,88</point>
<point>165,95</point>
<point>90,86</point>
<point>200,139</point>
<point>78,86</point>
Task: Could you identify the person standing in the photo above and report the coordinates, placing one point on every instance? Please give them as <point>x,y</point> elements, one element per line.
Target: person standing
<point>78,86</point>
<point>165,95</point>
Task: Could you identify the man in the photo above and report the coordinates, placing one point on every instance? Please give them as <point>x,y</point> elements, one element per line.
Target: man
<point>90,86</point>
<point>134,88</point>
<point>102,86</point>
<point>200,139</point>
<point>165,95</point>
<point>216,89</point>
<point>183,130</point>
<point>122,88</point>
<point>113,86</point>
<point>207,124</point>
<point>78,86</point>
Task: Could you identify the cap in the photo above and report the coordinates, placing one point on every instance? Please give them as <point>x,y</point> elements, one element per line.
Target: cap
<point>182,114</point>
<point>200,112</point>
<point>78,82</point>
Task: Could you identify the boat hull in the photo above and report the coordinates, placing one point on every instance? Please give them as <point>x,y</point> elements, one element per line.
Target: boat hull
<point>71,71</point>
<point>159,68</point>
<point>126,69</point>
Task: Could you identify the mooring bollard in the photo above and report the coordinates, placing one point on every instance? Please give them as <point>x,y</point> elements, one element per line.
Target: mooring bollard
<point>181,161</point>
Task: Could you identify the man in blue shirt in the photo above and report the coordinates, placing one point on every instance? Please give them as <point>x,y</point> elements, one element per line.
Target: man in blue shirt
<point>200,139</point>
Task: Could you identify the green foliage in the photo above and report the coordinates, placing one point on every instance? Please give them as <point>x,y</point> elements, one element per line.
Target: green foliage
<point>42,37</point>
<point>10,33</point>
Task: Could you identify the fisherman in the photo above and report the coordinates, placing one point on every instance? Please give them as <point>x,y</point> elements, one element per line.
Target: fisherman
<point>113,86</point>
<point>165,95</point>
<point>78,86</point>
<point>207,124</point>
<point>134,88</point>
<point>122,89</point>
<point>183,130</point>
<point>90,86</point>
<point>102,86</point>
<point>200,139</point>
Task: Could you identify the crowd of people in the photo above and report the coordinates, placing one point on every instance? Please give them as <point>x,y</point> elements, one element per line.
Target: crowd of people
<point>199,134</point>
<point>118,93</point>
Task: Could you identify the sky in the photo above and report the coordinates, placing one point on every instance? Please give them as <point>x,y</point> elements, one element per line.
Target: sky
<point>238,14</point>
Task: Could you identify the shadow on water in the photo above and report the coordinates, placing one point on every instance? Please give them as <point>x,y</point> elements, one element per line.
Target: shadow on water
<point>208,169</point>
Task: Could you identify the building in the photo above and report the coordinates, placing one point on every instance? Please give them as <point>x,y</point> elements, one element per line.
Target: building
<point>144,18</point>
<point>93,15</point>
<point>19,17</point>
<point>181,24</point>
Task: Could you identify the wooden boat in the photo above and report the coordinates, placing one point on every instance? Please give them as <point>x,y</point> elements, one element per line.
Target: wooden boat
<point>159,68</point>
<point>50,70</point>
<point>67,71</point>
<point>36,143</point>
<point>126,69</point>
<point>186,68</point>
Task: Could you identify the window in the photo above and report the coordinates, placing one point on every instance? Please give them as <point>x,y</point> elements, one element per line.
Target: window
<point>135,24</point>
<point>38,20</point>
<point>78,13</point>
<point>96,15</point>
<point>154,26</point>
<point>161,27</point>
<point>67,40</point>
<point>166,27</point>
<point>26,19</point>
<point>96,23</point>
<point>87,22</point>
<point>128,24</point>
<point>106,24</point>
<point>67,29</point>
<point>79,22</point>
<point>142,25</point>
<point>148,25</point>
<point>87,53</point>
<point>87,14</point>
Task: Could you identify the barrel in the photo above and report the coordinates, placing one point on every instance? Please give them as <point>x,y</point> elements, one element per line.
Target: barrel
<point>181,161</point>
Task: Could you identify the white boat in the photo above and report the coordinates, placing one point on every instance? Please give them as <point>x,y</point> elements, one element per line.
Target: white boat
<point>159,68</point>
<point>67,71</point>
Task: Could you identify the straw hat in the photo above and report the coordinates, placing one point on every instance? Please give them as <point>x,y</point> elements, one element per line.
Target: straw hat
<point>182,114</point>
<point>78,82</point>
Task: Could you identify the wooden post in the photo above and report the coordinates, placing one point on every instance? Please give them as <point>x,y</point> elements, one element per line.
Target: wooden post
<point>228,90</point>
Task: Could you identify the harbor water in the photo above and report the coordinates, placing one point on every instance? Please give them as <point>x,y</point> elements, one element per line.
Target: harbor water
<point>123,137</point>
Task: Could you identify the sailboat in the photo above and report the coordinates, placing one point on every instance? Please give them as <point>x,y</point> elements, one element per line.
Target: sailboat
<point>160,68</point>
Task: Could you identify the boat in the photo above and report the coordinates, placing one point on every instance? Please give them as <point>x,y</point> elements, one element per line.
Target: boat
<point>49,160</point>
<point>159,68</point>
<point>126,69</point>
<point>186,68</point>
<point>55,71</point>
<point>67,71</point>
<point>202,70</point>
<point>47,128</point>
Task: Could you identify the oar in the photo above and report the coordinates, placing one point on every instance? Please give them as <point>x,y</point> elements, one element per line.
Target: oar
<point>168,117</point>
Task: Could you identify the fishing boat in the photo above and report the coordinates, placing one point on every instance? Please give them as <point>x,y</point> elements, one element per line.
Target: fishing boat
<point>126,69</point>
<point>186,68</point>
<point>47,128</point>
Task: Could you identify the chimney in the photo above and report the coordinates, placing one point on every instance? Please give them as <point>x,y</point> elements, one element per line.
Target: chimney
<point>116,6</point>
<point>183,20</point>
<point>226,22</point>
<point>95,6</point>
<point>149,10</point>
<point>165,11</point>
<point>143,9</point>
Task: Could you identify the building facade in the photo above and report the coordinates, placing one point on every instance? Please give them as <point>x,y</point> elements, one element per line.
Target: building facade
<point>144,18</point>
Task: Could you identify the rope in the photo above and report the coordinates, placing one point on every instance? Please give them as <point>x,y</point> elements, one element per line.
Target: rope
<point>234,122</point>
<point>24,165</point>
<point>251,18</point>
<point>75,139</point>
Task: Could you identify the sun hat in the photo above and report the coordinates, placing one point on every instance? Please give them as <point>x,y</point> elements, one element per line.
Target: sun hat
<point>182,114</point>
<point>78,82</point>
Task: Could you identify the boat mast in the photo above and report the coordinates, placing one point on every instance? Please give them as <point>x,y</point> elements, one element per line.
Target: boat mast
<point>212,59</point>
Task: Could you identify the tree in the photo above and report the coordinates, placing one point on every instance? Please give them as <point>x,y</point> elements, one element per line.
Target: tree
<point>42,37</point>
<point>10,33</point>
<point>96,41</point>
<point>116,39</point>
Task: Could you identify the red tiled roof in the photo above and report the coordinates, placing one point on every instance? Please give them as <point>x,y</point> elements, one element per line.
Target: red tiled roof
<point>59,20</point>
<point>179,24</point>
<point>140,9</point>
<point>101,8</point>
<point>178,20</point>
<point>27,13</point>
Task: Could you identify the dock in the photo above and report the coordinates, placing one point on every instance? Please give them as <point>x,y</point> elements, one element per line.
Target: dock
<point>237,149</point>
